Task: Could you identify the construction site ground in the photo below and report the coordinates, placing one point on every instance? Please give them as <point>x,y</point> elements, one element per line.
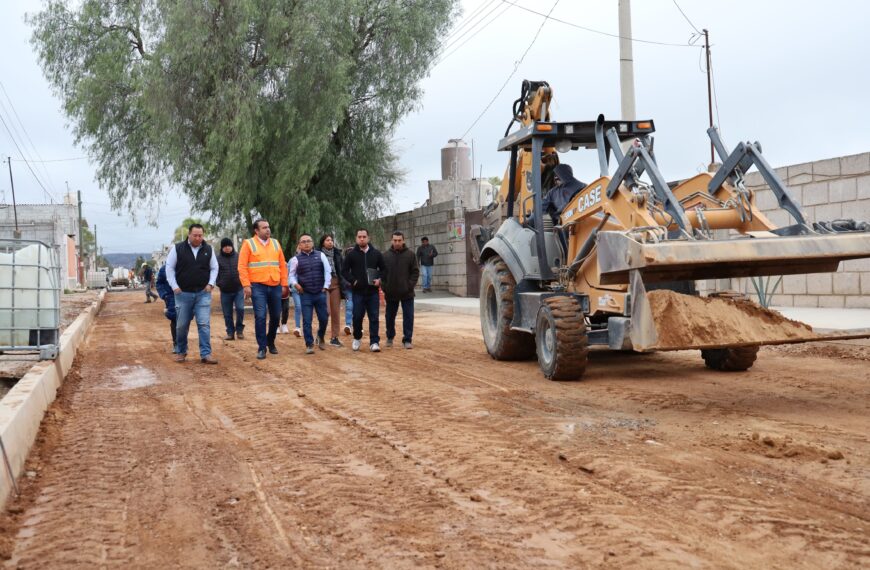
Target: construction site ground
<point>441,457</point>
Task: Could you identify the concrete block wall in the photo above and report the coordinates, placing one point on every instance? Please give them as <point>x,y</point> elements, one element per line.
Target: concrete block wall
<point>432,221</point>
<point>827,190</point>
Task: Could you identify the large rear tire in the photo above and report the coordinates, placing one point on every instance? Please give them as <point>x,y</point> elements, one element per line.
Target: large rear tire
<point>497,287</point>
<point>560,339</point>
<point>730,359</point>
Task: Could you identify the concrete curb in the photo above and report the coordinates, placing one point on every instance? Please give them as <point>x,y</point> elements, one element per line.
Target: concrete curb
<point>22,409</point>
<point>437,307</point>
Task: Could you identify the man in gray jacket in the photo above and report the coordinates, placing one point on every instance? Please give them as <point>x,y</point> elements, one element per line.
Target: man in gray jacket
<point>401,278</point>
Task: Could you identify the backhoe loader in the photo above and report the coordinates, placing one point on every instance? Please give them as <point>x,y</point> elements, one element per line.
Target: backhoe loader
<point>617,268</point>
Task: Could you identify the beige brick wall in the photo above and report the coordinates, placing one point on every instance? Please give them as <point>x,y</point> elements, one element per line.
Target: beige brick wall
<point>826,190</point>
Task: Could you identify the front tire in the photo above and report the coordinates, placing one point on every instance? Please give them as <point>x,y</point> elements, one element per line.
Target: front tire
<point>497,287</point>
<point>560,338</point>
<point>730,359</point>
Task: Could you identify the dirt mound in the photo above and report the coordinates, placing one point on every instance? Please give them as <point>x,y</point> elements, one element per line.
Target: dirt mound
<point>686,321</point>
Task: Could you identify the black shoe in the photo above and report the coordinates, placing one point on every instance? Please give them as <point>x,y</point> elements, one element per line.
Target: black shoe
<point>272,349</point>
<point>335,342</point>
<point>261,354</point>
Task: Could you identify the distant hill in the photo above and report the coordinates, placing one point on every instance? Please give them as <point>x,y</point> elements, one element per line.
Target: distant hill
<point>124,259</point>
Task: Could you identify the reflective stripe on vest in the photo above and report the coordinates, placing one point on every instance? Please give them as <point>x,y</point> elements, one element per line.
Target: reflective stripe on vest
<point>253,243</point>
<point>264,264</point>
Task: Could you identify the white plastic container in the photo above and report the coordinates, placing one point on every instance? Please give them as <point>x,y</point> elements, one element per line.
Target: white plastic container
<point>29,295</point>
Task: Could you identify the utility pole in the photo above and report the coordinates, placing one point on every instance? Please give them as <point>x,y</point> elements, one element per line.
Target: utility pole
<point>626,61</point>
<point>709,89</point>
<point>81,243</point>
<point>96,251</point>
<point>17,234</point>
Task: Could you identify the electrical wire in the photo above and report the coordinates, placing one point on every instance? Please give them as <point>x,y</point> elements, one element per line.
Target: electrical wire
<point>516,66</point>
<point>447,46</point>
<point>26,135</point>
<point>457,48</point>
<point>593,30</point>
<point>54,159</point>
<point>694,27</point>
<point>30,168</point>
<point>715,96</point>
<point>471,17</point>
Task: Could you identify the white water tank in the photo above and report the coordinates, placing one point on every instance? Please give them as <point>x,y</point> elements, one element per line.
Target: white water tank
<point>456,161</point>
<point>29,296</point>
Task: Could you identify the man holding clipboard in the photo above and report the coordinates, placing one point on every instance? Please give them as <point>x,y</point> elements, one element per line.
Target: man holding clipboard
<point>363,269</point>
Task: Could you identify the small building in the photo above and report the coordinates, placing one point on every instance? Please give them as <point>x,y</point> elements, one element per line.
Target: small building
<point>57,225</point>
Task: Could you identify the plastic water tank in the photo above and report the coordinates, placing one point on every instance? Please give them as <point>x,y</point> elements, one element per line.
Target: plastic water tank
<point>456,160</point>
<point>29,296</point>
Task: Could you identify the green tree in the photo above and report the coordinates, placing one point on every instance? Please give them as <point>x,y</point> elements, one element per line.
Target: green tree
<point>495,181</point>
<point>277,108</point>
<point>180,233</point>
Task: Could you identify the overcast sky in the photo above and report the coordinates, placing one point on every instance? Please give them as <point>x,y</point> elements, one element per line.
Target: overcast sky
<point>792,75</point>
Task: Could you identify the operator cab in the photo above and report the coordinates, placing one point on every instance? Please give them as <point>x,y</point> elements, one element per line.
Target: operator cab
<point>539,139</point>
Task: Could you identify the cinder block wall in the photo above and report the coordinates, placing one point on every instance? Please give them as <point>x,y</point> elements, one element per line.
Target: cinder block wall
<point>432,222</point>
<point>827,190</point>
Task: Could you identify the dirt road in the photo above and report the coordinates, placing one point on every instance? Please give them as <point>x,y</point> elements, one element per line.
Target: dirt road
<point>441,457</point>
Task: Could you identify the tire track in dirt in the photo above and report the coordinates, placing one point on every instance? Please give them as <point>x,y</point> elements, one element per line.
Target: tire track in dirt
<point>701,477</point>
<point>437,457</point>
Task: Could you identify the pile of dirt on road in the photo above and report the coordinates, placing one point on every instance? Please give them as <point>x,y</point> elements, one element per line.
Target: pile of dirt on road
<point>688,321</point>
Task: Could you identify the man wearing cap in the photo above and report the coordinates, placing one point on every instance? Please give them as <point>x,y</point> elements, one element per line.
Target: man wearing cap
<point>263,273</point>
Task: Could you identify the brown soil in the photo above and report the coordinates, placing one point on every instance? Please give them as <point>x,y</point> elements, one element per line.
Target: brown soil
<point>440,457</point>
<point>688,321</point>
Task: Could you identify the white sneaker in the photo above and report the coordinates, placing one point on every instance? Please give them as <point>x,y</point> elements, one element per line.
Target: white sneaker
<point>347,329</point>
<point>356,344</point>
<point>286,330</point>
<point>374,347</point>
<point>296,331</point>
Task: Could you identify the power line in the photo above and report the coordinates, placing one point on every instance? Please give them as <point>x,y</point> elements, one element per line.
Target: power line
<point>449,44</point>
<point>470,18</point>
<point>26,134</point>
<point>55,159</point>
<point>516,66</point>
<point>30,168</point>
<point>592,30</point>
<point>694,27</point>
<point>494,18</point>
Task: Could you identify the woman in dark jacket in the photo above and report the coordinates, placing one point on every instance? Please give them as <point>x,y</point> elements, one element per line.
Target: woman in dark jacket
<point>336,285</point>
<point>232,293</point>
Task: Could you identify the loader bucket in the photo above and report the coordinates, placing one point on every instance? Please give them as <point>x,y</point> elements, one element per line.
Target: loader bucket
<point>665,320</point>
<point>679,260</point>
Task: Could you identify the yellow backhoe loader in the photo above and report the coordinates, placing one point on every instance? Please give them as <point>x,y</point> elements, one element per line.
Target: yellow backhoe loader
<point>616,266</point>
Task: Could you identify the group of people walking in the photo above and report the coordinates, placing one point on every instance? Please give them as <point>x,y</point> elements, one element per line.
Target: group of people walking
<point>316,279</point>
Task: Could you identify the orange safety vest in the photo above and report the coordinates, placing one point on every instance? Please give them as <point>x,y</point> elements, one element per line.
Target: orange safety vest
<point>264,264</point>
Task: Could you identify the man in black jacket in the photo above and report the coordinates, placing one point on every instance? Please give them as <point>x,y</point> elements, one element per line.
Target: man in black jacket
<point>363,269</point>
<point>232,294</point>
<point>191,269</point>
<point>399,283</point>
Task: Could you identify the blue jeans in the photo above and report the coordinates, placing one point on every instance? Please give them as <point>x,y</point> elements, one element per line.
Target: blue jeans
<point>187,307</point>
<point>228,302</point>
<point>314,302</point>
<point>366,303</point>
<point>297,306</point>
<point>348,307</point>
<point>407,318</point>
<point>266,299</point>
<point>426,270</point>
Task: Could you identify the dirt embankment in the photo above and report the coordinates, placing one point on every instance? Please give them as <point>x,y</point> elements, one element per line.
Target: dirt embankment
<point>439,457</point>
<point>688,321</point>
